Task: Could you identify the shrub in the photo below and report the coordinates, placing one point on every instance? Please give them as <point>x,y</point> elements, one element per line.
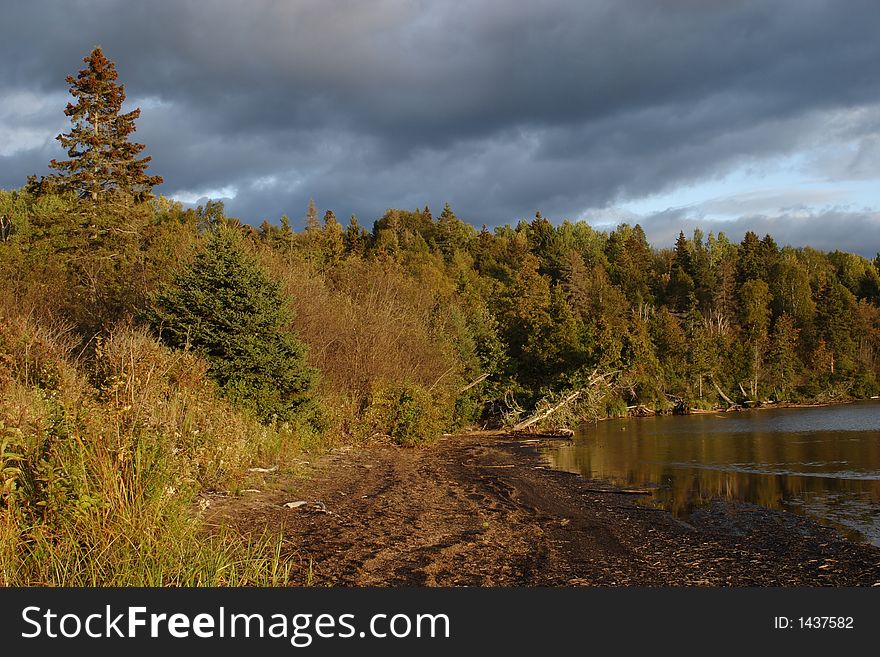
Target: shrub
<point>408,413</point>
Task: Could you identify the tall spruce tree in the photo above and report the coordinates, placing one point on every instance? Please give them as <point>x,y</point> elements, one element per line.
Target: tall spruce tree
<point>102,159</point>
<point>225,307</point>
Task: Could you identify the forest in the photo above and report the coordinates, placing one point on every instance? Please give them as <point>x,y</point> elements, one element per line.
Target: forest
<point>150,351</point>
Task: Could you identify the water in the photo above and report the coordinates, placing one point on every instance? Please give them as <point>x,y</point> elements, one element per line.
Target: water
<point>820,462</point>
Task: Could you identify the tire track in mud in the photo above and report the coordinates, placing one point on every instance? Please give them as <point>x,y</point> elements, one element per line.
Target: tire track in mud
<point>483,511</point>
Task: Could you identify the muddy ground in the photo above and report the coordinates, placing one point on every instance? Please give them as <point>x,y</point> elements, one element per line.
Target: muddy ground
<point>483,510</point>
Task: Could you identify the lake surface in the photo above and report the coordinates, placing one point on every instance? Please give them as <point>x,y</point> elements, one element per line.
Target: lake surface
<point>821,462</point>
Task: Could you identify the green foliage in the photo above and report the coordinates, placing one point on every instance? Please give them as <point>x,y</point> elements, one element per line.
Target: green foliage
<point>11,457</point>
<point>224,307</point>
<point>407,413</point>
<point>783,361</point>
<point>755,307</point>
<point>680,291</point>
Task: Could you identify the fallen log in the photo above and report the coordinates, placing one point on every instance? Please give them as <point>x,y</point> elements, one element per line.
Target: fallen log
<point>547,413</point>
<point>543,415</point>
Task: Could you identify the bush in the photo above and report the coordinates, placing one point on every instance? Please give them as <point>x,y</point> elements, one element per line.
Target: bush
<point>864,384</point>
<point>407,413</point>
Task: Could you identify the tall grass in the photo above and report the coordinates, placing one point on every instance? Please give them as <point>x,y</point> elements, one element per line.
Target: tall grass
<point>103,451</point>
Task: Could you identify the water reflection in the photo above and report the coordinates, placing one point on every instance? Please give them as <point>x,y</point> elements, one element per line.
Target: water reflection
<point>822,462</point>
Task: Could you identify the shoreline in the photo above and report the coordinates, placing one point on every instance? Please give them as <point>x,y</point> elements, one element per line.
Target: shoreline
<point>483,509</point>
<point>762,406</point>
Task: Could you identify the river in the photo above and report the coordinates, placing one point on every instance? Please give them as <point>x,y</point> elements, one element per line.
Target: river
<point>822,462</point>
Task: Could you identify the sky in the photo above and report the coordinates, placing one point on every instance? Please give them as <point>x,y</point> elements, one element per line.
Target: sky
<point>736,115</point>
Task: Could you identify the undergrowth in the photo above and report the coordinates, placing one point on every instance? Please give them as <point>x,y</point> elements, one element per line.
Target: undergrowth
<point>103,452</point>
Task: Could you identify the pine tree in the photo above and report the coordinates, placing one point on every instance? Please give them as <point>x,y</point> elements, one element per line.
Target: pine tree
<point>450,233</point>
<point>333,239</point>
<point>750,265</point>
<point>226,308</point>
<point>102,159</point>
<point>354,237</point>
<point>680,290</point>
<point>633,268</point>
<point>312,217</point>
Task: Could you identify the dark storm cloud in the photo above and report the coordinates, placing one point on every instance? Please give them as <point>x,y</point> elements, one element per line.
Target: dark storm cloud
<point>499,107</point>
<point>829,230</point>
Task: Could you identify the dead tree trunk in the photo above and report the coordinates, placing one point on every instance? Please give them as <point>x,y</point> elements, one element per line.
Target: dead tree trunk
<point>547,413</point>
<point>595,379</point>
<point>721,392</point>
<point>476,381</point>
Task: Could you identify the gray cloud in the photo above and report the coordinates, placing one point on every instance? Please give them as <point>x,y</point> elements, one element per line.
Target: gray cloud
<point>828,230</point>
<point>500,108</point>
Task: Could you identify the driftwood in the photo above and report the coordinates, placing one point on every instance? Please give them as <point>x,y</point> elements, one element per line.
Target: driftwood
<point>619,491</point>
<point>680,405</point>
<point>640,410</point>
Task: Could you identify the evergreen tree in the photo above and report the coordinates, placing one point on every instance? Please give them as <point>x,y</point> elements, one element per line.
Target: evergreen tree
<point>545,244</point>
<point>312,217</point>
<point>701,273</point>
<point>769,254</point>
<point>451,234</point>
<point>102,159</point>
<point>750,265</point>
<point>355,237</point>
<point>333,243</point>
<point>680,291</point>
<point>226,308</point>
<point>633,268</point>
<point>836,307</point>
<point>670,343</point>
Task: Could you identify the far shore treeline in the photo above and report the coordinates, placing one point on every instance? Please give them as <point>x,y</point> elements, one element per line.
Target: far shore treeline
<point>150,352</point>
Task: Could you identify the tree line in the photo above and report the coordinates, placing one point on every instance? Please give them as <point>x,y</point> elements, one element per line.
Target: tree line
<point>496,320</point>
<point>708,321</point>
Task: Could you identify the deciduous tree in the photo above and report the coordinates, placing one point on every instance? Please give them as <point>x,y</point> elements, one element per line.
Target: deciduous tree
<point>755,309</point>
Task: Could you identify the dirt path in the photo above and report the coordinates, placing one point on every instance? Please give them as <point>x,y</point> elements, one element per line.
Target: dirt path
<point>483,510</point>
